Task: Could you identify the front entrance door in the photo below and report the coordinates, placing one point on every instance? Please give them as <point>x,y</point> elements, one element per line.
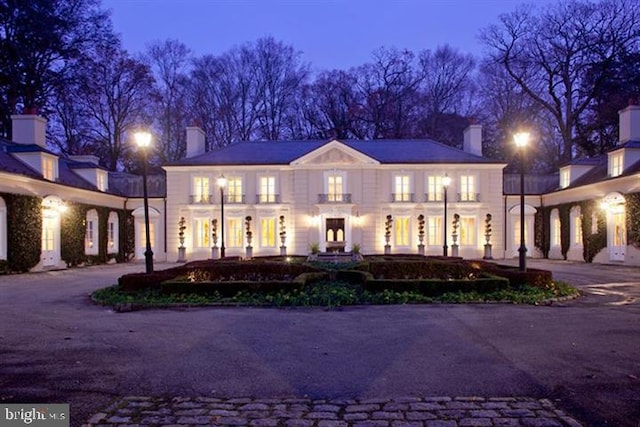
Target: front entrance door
<point>335,234</point>
<point>49,257</point>
<point>618,237</point>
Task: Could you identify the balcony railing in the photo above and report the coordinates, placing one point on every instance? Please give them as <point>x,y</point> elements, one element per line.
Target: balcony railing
<point>334,198</point>
<point>234,199</point>
<point>433,198</point>
<point>402,197</point>
<point>468,197</point>
<point>267,198</point>
<point>201,199</point>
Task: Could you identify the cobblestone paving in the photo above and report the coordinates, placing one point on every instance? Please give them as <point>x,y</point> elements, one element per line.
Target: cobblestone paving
<point>403,412</point>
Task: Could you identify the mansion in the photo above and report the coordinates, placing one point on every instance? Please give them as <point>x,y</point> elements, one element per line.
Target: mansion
<point>294,197</point>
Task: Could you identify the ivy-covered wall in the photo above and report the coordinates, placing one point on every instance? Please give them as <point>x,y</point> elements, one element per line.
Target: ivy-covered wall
<point>24,242</point>
<point>633,219</point>
<point>73,232</point>
<point>592,243</point>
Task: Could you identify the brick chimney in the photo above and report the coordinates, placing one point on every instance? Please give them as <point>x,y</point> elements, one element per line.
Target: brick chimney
<point>195,141</point>
<point>473,139</point>
<point>29,129</point>
<point>630,122</point>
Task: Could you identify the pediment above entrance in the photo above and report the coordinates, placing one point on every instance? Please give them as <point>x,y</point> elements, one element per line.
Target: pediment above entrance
<point>335,153</point>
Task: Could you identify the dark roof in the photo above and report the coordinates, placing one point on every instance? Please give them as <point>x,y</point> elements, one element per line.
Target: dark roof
<point>533,184</point>
<point>129,185</point>
<point>9,163</point>
<point>388,151</point>
<point>85,165</point>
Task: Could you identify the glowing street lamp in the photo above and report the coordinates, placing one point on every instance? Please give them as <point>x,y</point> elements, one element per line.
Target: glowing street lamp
<point>446,181</point>
<point>222,182</point>
<point>143,140</point>
<point>521,140</point>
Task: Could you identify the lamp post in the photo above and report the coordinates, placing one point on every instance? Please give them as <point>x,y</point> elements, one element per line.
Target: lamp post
<point>143,140</point>
<point>222,182</point>
<point>446,181</point>
<point>522,139</point>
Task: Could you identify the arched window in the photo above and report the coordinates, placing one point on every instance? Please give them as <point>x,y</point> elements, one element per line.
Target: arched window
<point>92,239</point>
<point>113,232</point>
<point>555,228</point>
<point>575,218</point>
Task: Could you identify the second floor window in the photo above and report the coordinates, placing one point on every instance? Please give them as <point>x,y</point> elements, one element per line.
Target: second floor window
<point>201,189</point>
<point>402,192</point>
<point>467,188</point>
<point>335,188</point>
<point>234,190</point>
<point>434,189</point>
<point>267,189</point>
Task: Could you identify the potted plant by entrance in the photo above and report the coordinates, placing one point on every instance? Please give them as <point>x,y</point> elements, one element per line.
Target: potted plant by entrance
<point>487,237</point>
<point>182,251</point>
<point>355,252</point>
<point>421,234</point>
<point>214,238</point>
<point>249,234</point>
<point>314,248</point>
<point>387,234</point>
<point>454,234</point>
<point>283,236</point>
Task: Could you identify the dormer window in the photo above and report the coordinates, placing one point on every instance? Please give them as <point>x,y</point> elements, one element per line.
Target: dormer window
<point>615,164</point>
<point>565,178</point>
<point>49,169</point>
<point>101,180</point>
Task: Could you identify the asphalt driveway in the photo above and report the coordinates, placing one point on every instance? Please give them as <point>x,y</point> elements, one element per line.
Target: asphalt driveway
<point>584,355</point>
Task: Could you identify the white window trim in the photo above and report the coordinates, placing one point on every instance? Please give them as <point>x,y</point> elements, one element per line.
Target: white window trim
<point>574,215</point>
<point>475,231</point>
<point>276,186</point>
<point>476,186</point>
<point>409,231</point>
<point>340,173</point>
<point>113,247</point>
<point>92,243</point>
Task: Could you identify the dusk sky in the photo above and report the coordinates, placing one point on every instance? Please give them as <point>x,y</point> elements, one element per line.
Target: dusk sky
<point>330,33</point>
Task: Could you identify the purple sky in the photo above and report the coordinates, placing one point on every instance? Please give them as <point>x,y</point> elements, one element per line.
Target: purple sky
<point>330,33</point>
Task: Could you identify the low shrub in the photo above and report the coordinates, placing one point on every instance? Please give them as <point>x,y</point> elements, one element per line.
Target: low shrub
<point>533,277</point>
<point>435,287</point>
<point>422,269</point>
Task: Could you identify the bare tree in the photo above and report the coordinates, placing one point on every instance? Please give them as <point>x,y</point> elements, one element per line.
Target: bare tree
<point>387,93</point>
<point>549,53</point>
<point>281,75</point>
<point>38,39</point>
<point>169,62</point>
<point>446,89</point>
<point>117,91</point>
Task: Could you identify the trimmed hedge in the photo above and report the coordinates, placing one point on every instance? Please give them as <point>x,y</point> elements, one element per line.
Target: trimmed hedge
<point>533,277</point>
<point>422,269</point>
<point>232,288</point>
<point>434,287</point>
<point>24,242</point>
<point>217,271</point>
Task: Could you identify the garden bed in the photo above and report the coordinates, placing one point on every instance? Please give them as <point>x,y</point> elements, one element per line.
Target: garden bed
<point>292,282</point>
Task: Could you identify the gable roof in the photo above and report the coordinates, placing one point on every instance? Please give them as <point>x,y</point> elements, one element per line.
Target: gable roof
<point>385,151</point>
